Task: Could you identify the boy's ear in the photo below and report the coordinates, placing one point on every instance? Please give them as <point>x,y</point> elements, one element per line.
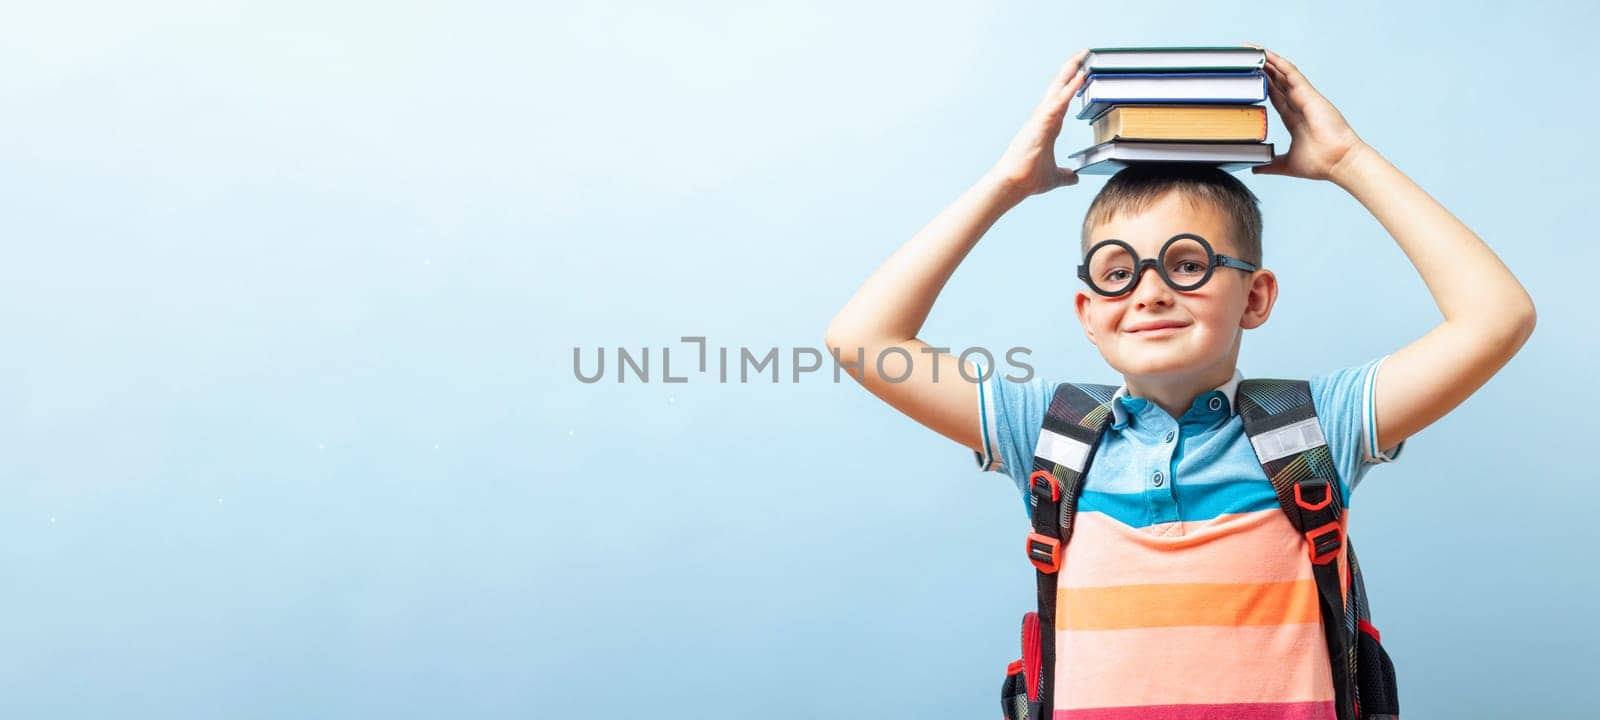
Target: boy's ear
<point>1259,299</point>
<point>1080,304</point>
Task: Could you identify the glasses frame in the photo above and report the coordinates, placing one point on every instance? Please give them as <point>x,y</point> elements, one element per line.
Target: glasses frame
<point>1213,262</point>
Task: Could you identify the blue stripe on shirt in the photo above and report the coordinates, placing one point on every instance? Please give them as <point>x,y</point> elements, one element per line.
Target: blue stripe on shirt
<point>1198,502</point>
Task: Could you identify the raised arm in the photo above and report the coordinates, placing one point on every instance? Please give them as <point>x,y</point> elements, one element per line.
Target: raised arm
<point>1487,313</point>
<point>889,308</point>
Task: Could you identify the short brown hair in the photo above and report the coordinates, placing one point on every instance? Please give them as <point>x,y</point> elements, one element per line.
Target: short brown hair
<point>1139,186</point>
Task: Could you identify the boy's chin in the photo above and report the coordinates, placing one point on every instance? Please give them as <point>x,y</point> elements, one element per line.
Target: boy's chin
<point>1157,366</point>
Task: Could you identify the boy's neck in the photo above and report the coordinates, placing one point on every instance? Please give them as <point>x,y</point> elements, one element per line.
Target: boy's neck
<point>1175,394</point>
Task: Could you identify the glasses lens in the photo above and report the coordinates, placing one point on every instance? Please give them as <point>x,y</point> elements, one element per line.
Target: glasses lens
<point>1110,268</point>
<point>1187,262</point>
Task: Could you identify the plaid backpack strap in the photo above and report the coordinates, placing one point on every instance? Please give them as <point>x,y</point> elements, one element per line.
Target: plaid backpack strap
<point>1281,422</point>
<point>1067,440</point>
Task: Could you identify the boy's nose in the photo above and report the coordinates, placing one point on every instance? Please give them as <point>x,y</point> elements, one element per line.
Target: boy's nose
<point>1152,289</point>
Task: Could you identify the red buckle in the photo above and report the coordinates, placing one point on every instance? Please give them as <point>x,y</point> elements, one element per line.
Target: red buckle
<point>1045,479</point>
<point>1044,552</point>
<point>1327,497</point>
<point>1325,542</point>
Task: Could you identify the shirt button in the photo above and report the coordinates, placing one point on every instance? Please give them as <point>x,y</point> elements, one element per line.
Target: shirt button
<point>1157,479</point>
<point>1169,436</point>
<point>1216,403</point>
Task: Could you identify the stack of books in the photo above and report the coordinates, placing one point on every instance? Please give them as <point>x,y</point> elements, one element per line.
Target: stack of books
<point>1173,104</point>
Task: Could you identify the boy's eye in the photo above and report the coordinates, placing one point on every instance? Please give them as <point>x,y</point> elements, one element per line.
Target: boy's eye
<point>1118,275</point>
<point>1190,267</point>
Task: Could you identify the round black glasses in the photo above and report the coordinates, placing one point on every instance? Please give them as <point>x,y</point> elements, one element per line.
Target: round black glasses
<point>1112,268</point>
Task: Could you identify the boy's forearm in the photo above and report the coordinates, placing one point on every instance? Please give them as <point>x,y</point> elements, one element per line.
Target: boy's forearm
<point>1467,280</point>
<point>894,302</point>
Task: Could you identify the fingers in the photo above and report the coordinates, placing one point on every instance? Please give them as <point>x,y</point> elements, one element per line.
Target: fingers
<point>1283,65</point>
<point>1065,177</point>
<point>1071,88</point>
<point>1276,75</point>
<point>1278,82</point>
<point>1267,66</point>
<point>1069,68</point>
<point>1054,106</point>
<point>1272,168</point>
<point>1280,101</point>
<point>1276,71</point>
<point>1065,75</point>
<point>1284,83</point>
<point>1282,79</point>
<point>1290,78</point>
<point>1279,68</point>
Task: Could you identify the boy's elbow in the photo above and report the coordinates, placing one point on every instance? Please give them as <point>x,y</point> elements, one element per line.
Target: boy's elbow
<point>848,328</point>
<point>837,337</point>
<point>1526,318</point>
<point>833,337</point>
<point>1525,327</point>
<point>1517,328</point>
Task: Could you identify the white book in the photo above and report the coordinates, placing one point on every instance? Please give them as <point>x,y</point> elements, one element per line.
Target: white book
<point>1109,157</point>
<point>1101,92</point>
<point>1175,59</point>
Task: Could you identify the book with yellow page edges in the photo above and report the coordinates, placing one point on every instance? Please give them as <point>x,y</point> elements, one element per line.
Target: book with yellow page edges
<point>1182,122</point>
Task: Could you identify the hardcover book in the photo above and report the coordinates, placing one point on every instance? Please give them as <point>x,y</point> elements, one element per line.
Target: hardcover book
<point>1217,123</point>
<point>1109,157</point>
<point>1174,59</point>
<point>1100,92</point>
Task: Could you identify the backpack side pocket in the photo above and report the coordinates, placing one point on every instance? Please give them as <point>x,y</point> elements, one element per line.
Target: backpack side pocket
<point>1014,693</point>
<point>1019,695</point>
<point>1375,678</point>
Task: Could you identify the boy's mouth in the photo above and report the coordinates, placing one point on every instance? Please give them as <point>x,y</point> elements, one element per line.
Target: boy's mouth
<point>1156,328</point>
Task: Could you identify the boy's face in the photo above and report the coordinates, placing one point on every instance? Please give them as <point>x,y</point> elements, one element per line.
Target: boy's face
<point>1158,333</point>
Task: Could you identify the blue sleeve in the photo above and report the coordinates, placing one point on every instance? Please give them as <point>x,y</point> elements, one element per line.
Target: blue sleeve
<point>1344,402</point>
<point>1009,416</point>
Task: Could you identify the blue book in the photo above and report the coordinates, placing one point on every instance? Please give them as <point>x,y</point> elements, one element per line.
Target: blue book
<point>1100,92</point>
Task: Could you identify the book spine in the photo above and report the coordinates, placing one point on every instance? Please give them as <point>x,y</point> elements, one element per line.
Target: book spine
<point>1107,126</point>
<point>1174,69</point>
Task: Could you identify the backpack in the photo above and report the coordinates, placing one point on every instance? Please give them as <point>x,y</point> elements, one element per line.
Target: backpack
<point>1281,423</point>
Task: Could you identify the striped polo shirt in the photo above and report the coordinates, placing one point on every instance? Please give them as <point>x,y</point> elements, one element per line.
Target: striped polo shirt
<point>1185,592</point>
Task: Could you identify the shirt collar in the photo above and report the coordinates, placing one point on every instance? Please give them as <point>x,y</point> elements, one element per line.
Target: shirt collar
<point>1119,414</point>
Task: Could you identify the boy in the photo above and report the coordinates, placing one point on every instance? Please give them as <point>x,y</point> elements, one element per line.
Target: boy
<point>1184,593</point>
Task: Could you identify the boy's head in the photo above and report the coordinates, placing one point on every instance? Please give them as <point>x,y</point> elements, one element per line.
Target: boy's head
<point>1155,334</point>
<point>1138,187</point>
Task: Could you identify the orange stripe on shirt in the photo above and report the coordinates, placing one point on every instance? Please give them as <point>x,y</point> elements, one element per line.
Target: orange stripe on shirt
<point>1187,604</point>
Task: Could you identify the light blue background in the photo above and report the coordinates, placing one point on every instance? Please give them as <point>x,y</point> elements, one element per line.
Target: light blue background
<point>290,290</point>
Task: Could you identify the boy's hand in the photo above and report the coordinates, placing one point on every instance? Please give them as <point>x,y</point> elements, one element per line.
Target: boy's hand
<point>1028,166</point>
<point>1319,136</point>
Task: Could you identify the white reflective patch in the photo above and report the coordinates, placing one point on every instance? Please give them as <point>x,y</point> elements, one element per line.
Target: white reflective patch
<point>1288,440</point>
<point>1061,450</point>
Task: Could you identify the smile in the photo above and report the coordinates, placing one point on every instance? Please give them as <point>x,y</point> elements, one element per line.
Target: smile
<point>1158,332</point>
